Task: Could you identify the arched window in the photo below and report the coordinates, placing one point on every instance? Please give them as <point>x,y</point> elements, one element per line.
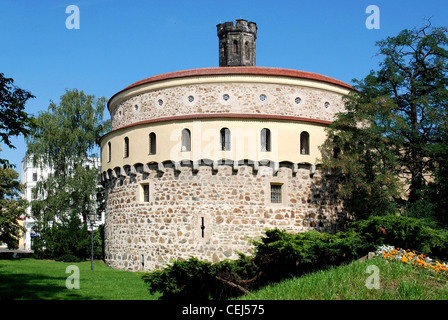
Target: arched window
<point>225,139</point>
<point>152,143</point>
<point>109,152</point>
<point>265,140</point>
<point>126,147</point>
<point>304,143</point>
<point>246,49</point>
<point>235,47</point>
<point>186,140</point>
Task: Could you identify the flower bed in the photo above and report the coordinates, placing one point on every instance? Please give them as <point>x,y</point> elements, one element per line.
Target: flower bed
<point>413,258</point>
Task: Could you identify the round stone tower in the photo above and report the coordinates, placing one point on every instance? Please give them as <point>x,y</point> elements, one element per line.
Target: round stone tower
<point>199,160</point>
<point>237,43</point>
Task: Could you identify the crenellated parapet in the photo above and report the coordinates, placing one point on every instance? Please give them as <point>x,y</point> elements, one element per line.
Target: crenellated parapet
<point>237,43</point>
<point>209,167</point>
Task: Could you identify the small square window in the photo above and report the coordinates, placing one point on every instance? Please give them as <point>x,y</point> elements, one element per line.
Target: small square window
<point>276,193</point>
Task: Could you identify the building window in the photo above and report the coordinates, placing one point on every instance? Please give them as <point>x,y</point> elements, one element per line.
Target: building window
<point>265,140</point>
<point>304,143</point>
<point>235,47</point>
<point>225,139</point>
<point>144,192</point>
<point>109,152</point>
<point>126,147</point>
<point>276,193</point>
<point>186,140</point>
<point>34,176</point>
<point>246,49</point>
<point>152,143</point>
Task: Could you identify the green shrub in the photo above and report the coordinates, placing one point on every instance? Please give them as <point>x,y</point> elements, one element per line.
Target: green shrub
<point>404,232</point>
<point>280,254</point>
<point>199,280</point>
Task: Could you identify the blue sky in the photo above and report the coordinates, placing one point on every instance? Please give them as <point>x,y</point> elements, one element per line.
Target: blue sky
<point>121,42</point>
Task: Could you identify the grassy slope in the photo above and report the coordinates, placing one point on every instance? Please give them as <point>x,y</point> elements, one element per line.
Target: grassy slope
<point>397,282</point>
<point>31,279</point>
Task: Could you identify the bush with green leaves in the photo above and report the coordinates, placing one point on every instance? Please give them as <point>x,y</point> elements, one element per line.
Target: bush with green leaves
<point>200,280</point>
<point>404,232</point>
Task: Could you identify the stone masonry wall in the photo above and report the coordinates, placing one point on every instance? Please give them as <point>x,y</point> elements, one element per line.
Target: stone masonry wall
<point>231,203</point>
<point>245,98</point>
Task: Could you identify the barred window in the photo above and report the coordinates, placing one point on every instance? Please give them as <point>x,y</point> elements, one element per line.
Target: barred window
<point>276,193</point>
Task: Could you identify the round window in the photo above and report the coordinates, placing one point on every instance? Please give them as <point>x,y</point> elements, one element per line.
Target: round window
<point>262,97</point>
<point>298,100</point>
<point>160,102</point>
<point>226,97</point>
<point>190,98</point>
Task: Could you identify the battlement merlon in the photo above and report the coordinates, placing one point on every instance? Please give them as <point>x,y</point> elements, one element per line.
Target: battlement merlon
<point>241,25</point>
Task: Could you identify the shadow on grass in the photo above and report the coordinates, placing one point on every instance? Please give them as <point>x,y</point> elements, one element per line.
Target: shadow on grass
<point>25,286</point>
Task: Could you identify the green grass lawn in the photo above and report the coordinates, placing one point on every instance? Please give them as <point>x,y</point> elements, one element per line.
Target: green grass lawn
<point>397,281</point>
<point>32,279</point>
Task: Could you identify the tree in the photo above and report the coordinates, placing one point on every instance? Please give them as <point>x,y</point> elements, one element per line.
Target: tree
<point>393,126</point>
<point>357,153</point>
<point>12,208</point>
<point>14,121</point>
<point>64,139</point>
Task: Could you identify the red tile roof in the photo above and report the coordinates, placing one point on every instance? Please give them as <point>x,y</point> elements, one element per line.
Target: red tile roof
<point>238,70</point>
